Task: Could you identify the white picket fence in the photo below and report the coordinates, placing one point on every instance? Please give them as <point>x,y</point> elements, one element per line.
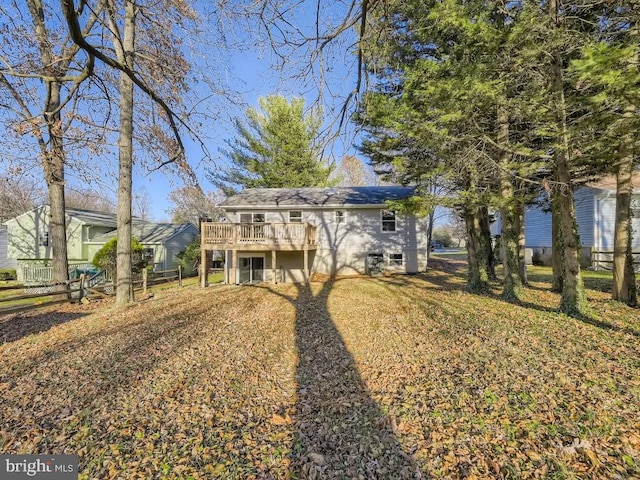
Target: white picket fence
<point>38,274</point>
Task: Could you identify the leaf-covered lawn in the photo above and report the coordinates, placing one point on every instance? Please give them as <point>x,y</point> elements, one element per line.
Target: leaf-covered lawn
<point>399,377</point>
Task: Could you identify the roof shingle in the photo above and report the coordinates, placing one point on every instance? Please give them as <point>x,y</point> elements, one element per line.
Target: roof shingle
<point>318,197</point>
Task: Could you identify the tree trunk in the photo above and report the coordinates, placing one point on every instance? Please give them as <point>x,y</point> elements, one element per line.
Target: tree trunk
<point>54,173</point>
<point>489,260</point>
<point>508,233</point>
<point>519,228</point>
<point>556,244</point>
<point>430,221</point>
<point>573,298</point>
<point>53,154</point>
<point>624,279</point>
<point>477,281</point>
<point>124,282</point>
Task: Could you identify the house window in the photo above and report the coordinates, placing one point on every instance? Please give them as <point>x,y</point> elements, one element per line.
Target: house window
<point>148,254</point>
<point>44,239</point>
<point>388,221</point>
<point>340,215</point>
<point>295,216</point>
<point>395,259</point>
<point>252,218</point>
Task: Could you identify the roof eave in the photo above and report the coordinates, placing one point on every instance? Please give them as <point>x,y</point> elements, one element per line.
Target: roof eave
<point>306,206</point>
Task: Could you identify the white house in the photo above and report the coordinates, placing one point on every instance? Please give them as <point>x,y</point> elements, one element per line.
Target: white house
<point>286,235</point>
<point>595,205</point>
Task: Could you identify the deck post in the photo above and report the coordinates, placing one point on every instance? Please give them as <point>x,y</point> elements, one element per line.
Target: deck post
<point>82,282</point>
<point>145,274</point>
<point>274,267</point>
<point>235,267</point>
<point>306,252</point>
<point>203,267</point>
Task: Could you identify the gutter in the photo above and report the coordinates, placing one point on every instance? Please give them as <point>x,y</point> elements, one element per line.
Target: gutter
<point>303,207</point>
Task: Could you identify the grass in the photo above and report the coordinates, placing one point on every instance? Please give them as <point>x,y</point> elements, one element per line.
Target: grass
<point>194,281</point>
<point>358,378</point>
<point>5,295</point>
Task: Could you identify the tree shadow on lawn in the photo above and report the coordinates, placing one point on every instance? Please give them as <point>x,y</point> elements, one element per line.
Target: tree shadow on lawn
<point>603,285</point>
<point>15,327</point>
<point>120,354</point>
<point>443,280</point>
<point>341,432</point>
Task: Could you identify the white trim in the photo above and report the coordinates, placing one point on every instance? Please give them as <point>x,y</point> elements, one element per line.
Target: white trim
<point>301,216</point>
<point>253,213</point>
<point>395,221</point>
<point>402,261</point>
<point>252,255</point>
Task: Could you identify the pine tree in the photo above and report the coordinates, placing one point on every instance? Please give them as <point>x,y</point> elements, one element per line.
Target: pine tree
<point>608,74</point>
<point>275,147</point>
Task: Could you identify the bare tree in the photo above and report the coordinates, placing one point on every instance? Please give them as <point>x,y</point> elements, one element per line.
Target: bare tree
<point>42,76</point>
<point>141,207</point>
<point>352,172</point>
<point>145,51</point>
<point>125,49</point>
<point>87,199</point>
<point>190,204</point>
<point>19,194</point>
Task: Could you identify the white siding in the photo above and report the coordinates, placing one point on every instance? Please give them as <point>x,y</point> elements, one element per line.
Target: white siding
<point>343,246</point>
<point>538,222</point>
<point>584,199</point>
<point>605,219</point>
<point>537,227</point>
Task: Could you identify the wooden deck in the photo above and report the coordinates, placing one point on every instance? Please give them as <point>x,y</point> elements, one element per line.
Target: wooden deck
<point>258,236</point>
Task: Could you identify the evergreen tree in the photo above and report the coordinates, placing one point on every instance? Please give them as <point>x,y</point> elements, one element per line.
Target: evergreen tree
<point>443,102</point>
<point>607,72</point>
<point>275,148</point>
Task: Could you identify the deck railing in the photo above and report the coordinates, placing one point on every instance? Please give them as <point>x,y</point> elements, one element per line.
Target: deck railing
<point>232,235</point>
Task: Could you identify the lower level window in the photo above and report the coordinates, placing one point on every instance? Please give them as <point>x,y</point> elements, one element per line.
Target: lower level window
<point>396,259</point>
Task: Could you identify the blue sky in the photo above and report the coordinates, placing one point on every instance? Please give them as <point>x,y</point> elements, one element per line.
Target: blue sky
<point>252,76</point>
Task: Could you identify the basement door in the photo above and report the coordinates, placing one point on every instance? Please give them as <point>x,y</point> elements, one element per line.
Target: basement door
<point>251,269</point>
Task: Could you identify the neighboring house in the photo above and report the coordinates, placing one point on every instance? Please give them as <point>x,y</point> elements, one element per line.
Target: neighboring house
<point>5,261</point>
<point>28,240</point>
<point>162,242</point>
<point>595,214</point>
<point>286,235</point>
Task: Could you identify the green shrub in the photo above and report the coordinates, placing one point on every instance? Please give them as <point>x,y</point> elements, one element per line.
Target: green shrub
<point>190,256</point>
<point>442,236</point>
<point>8,274</point>
<point>106,257</point>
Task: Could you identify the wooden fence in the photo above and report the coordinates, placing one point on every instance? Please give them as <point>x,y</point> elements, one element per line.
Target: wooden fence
<point>49,293</point>
<point>601,260</point>
<point>76,290</point>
